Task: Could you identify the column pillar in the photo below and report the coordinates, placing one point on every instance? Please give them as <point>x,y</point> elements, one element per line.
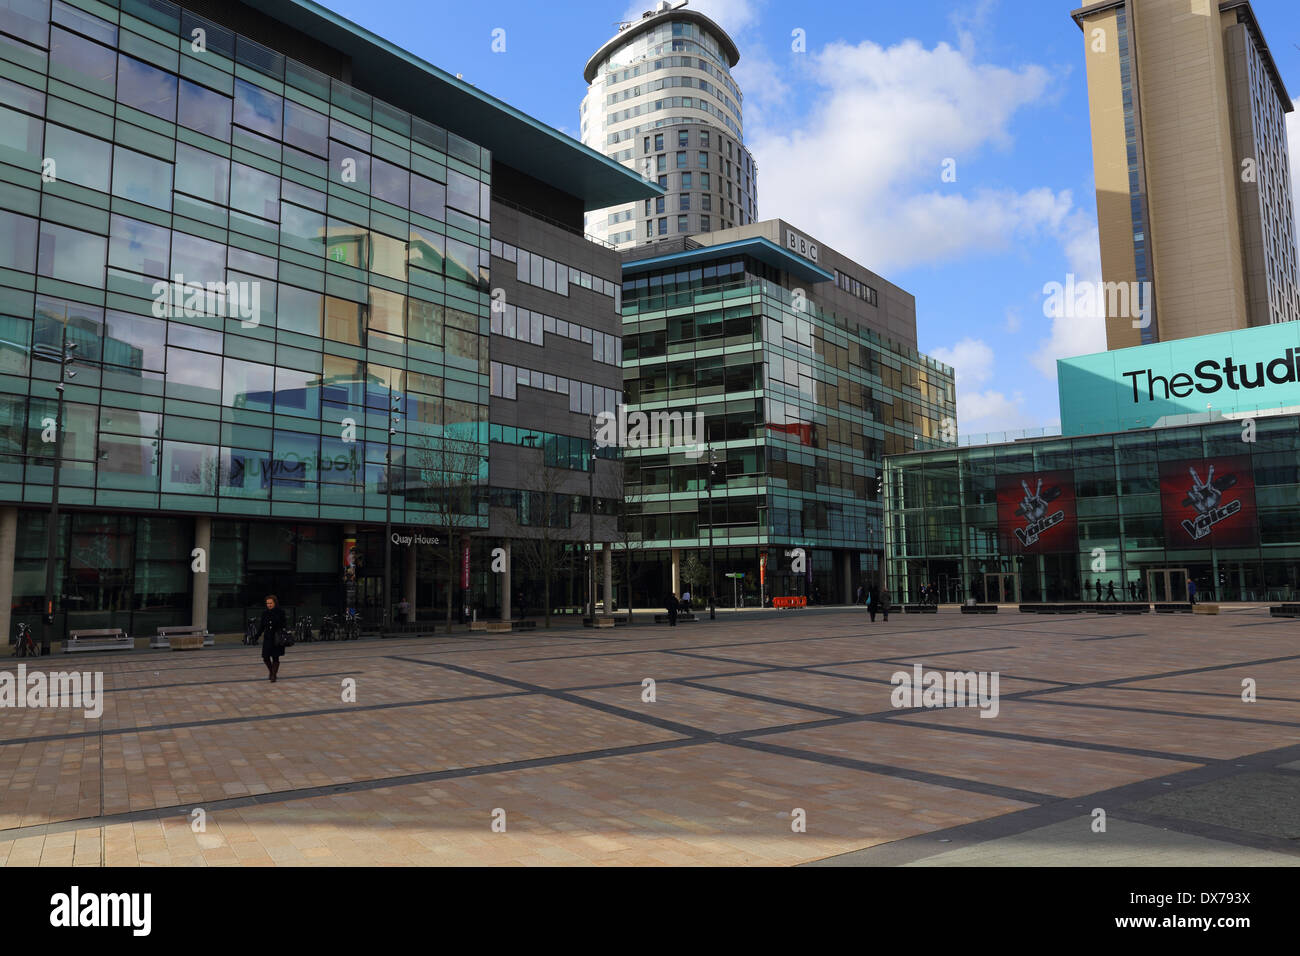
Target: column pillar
<point>846,560</point>
<point>409,582</point>
<point>677,572</point>
<point>506,583</point>
<point>199,603</point>
<point>8,548</point>
<point>609,576</point>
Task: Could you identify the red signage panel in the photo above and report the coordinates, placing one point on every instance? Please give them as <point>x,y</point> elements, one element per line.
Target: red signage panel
<point>1036,513</point>
<point>1208,501</point>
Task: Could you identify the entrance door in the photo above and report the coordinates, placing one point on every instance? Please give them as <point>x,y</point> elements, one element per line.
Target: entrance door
<point>1167,585</point>
<point>1002,588</point>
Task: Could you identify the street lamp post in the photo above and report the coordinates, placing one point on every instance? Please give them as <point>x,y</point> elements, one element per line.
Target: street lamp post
<point>712,578</point>
<point>64,358</point>
<point>394,406</point>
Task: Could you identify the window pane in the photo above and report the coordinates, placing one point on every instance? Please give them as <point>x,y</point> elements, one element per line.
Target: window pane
<point>302,228</point>
<point>247,385</point>
<point>306,129</point>
<point>20,138</point>
<point>297,393</point>
<point>346,243</point>
<point>387,256</point>
<point>387,312</point>
<point>462,261</point>
<point>82,63</point>
<point>193,376</point>
<point>198,260</point>
<point>201,174</point>
<point>257,109</point>
<point>425,322</point>
<point>428,197</point>
<point>204,110</point>
<point>254,191</point>
<point>26,19</point>
<point>72,255</point>
<point>18,251</point>
<point>142,178</point>
<point>462,192</point>
<point>300,310</point>
<point>146,88</point>
<point>133,341</point>
<point>138,246</point>
<point>343,320</point>
<point>389,183</point>
<point>349,166</point>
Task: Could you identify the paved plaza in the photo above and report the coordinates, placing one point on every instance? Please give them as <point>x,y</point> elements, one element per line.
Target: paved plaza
<point>771,740</point>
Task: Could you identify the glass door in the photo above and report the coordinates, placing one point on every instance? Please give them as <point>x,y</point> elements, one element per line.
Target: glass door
<point>1167,585</point>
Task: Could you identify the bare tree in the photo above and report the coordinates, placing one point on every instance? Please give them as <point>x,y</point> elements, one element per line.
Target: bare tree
<point>451,478</point>
<point>543,540</point>
<point>627,497</point>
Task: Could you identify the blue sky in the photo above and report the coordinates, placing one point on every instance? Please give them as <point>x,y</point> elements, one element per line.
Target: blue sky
<point>851,136</point>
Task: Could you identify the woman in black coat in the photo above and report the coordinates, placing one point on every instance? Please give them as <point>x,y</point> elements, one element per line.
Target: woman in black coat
<point>272,623</point>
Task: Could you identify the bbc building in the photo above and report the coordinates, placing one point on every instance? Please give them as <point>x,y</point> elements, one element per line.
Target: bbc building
<point>1178,461</point>
<point>311,285</point>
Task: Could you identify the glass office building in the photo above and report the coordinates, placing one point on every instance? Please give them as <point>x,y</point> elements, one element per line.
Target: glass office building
<point>1123,516</point>
<point>800,396</point>
<point>256,261</point>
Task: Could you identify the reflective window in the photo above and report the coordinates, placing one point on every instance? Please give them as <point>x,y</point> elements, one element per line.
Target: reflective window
<point>302,228</point>
<point>389,183</point>
<point>426,250</point>
<point>18,251</point>
<point>306,129</point>
<point>257,109</point>
<point>428,197</point>
<point>248,385</point>
<point>349,166</point>
<point>82,63</point>
<point>387,312</point>
<point>387,256</point>
<point>146,88</point>
<point>72,255</point>
<point>255,192</point>
<point>343,320</point>
<point>142,178</point>
<point>299,311</point>
<point>202,174</point>
<point>20,136</point>
<point>462,192</point>
<point>26,19</point>
<point>205,111</point>
<point>134,341</point>
<point>198,259</point>
<point>138,247</point>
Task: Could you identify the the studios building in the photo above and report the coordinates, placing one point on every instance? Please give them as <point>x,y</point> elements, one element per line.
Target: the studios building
<point>1178,460</point>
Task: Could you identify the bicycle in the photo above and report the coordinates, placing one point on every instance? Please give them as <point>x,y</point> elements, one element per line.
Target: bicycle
<point>328,628</point>
<point>352,627</point>
<point>250,631</point>
<point>25,646</point>
<point>303,631</point>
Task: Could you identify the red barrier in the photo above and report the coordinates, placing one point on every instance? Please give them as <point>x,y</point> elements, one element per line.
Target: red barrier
<point>789,602</point>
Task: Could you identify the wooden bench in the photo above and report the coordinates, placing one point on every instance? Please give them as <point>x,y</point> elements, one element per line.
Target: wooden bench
<point>167,636</point>
<point>98,639</point>
<point>495,627</point>
<point>1205,609</point>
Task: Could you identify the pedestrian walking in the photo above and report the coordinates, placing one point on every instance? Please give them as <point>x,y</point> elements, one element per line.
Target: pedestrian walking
<point>269,628</point>
<point>884,604</point>
<point>873,601</point>
<point>1097,584</point>
<point>1110,591</point>
<point>672,610</point>
<point>1191,591</point>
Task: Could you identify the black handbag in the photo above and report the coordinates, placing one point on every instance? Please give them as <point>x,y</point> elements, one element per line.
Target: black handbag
<point>283,638</point>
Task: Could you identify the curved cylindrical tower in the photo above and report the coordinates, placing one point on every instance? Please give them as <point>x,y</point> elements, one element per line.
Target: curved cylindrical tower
<point>661,100</point>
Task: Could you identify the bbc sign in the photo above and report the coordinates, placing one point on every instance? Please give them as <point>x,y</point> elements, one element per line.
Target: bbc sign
<point>798,244</point>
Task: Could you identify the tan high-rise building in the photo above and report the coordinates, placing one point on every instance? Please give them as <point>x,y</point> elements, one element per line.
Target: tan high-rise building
<point>1189,150</point>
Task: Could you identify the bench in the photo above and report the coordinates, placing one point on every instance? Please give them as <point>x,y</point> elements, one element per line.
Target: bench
<point>612,620</point>
<point>920,609</point>
<point>681,618</point>
<point>1178,608</point>
<point>98,639</point>
<point>495,627</point>
<point>523,625</point>
<point>1205,609</point>
<point>167,636</point>
<point>979,609</point>
<point>1284,610</point>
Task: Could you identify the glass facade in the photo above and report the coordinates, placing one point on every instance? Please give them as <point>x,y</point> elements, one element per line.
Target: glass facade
<point>1141,512</point>
<point>254,260</point>
<point>798,404</point>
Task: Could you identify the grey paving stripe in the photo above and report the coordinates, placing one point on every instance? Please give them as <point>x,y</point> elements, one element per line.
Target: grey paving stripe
<point>218,721</point>
<point>231,680</point>
<point>1209,831</point>
<point>911,849</point>
<point>1111,637</point>
<point>613,710</point>
<point>1203,693</point>
<point>308,793</point>
<point>730,692</point>
<point>1149,710</point>
<point>1061,742</point>
<point>905,773</point>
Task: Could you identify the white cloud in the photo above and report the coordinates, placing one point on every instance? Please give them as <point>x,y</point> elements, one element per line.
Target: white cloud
<point>972,360</point>
<point>982,411</point>
<point>864,166</point>
<point>1075,334</point>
